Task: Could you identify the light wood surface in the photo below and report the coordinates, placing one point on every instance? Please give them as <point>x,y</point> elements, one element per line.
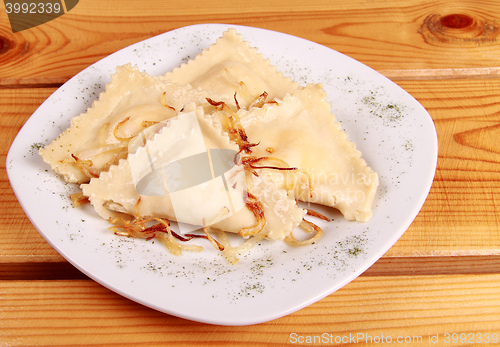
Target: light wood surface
<point>83,313</point>
<point>441,277</point>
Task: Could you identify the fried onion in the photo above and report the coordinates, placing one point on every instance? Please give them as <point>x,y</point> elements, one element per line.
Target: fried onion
<point>85,164</point>
<point>256,207</point>
<point>79,199</point>
<point>231,124</point>
<point>308,227</point>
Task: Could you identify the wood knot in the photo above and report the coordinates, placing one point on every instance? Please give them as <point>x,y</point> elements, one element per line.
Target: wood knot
<point>13,50</point>
<point>457,21</point>
<point>5,44</point>
<point>459,28</point>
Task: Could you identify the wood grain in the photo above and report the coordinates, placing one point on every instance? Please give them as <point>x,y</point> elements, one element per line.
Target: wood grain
<point>464,200</point>
<point>81,312</point>
<point>391,40</point>
<point>441,277</point>
<point>20,241</point>
<point>460,216</point>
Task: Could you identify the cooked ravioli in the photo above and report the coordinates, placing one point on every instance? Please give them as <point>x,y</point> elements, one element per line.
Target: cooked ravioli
<point>233,69</point>
<point>115,191</point>
<point>224,141</point>
<point>302,131</point>
<point>281,212</point>
<point>98,138</point>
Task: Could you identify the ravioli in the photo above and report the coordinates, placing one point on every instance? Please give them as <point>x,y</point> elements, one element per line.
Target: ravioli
<point>223,142</point>
<point>302,131</point>
<point>115,192</point>
<point>98,138</point>
<point>234,70</point>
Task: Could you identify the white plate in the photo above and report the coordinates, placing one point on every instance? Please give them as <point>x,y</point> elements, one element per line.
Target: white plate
<point>394,132</point>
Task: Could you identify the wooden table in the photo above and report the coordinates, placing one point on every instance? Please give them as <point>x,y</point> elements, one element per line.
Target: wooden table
<point>441,278</point>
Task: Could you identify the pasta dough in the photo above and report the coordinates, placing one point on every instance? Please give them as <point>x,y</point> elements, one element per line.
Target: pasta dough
<point>114,192</point>
<point>301,131</point>
<point>99,137</point>
<point>233,69</point>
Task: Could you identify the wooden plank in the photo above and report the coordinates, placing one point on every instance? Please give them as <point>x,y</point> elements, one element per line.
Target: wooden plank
<point>434,265</point>
<point>20,241</point>
<point>401,36</point>
<point>462,210</point>
<point>460,216</point>
<point>81,312</point>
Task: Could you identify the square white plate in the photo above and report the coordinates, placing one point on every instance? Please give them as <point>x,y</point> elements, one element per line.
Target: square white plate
<point>393,131</point>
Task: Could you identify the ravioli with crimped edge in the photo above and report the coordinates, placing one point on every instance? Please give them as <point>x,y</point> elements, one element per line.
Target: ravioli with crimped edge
<point>288,147</point>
